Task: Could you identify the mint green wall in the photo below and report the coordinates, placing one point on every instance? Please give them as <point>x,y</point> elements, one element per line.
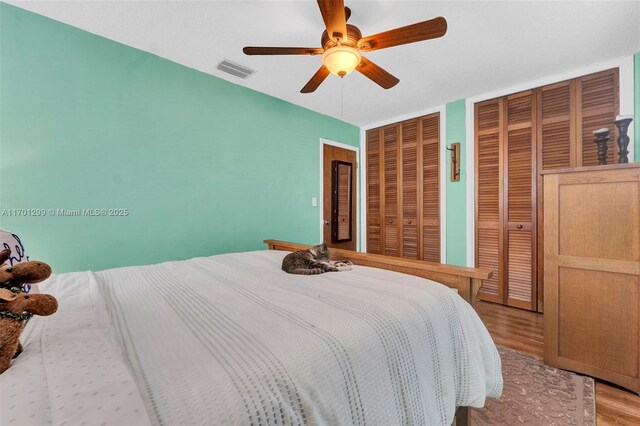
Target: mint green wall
<point>204,166</point>
<point>456,191</point>
<point>636,131</point>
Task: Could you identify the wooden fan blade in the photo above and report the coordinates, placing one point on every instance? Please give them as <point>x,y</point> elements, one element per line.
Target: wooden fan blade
<point>426,30</point>
<point>334,17</point>
<point>251,50</point>
<point>316,80</point>
<point>377,74</point>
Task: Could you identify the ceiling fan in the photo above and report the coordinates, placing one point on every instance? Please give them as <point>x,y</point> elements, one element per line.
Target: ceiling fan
<point>342,44</point>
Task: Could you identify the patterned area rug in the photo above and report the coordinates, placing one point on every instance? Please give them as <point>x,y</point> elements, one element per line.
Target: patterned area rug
<point>535,394</point>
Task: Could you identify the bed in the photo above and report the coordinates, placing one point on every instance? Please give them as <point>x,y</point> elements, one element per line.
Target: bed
<point>231,339</point>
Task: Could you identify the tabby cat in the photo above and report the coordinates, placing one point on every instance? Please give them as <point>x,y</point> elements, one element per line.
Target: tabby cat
<point>314,260</point>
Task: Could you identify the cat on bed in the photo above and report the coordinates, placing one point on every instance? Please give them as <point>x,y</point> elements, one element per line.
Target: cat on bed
<point>315,260</point>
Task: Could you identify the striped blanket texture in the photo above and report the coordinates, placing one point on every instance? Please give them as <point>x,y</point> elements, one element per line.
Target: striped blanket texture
<point>232,339</point>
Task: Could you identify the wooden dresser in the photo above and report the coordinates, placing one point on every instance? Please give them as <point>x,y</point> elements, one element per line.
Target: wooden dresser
<point>592,272</point>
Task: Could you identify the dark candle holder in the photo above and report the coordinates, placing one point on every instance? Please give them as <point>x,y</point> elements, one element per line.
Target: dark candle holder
<point>602,137</point>
<point>623,140</point>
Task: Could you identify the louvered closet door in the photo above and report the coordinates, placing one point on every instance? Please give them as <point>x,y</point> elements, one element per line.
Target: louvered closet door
<point>517,137</point>
<point>556,111</point>
<point>409,165</point>
<point>390,182</point>
<point>597,98</point>
<point>556,148</point>
<point>374,206</point>
<point>489,235</point>
<point>403,189</point>
<point>430,192</point>
<point>519,205</point>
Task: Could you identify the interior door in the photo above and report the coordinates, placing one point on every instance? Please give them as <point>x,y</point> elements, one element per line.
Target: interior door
<point>519,200</point>
<point>556,148</point>
<point>409,189</point>
<point>403,189</point>
<point>430,186</point>
<point>392,234</point>
<point>339,197</point>
<point>489,202</point>
<point>374,194</point>
<point>598,103</point>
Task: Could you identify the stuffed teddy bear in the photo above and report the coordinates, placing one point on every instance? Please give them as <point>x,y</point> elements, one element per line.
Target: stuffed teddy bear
<point>17,276</point>
<point>15,308</point>
<point>16,305</point>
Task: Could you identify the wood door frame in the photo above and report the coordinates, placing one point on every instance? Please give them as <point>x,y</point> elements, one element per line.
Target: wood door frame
<point>442,167</point>
<point>356,216</point>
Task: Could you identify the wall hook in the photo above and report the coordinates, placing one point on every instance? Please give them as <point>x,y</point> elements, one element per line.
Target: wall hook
<point>455,161</point>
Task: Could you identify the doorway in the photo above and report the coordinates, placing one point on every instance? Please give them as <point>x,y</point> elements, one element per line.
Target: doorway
<point>339,195</point>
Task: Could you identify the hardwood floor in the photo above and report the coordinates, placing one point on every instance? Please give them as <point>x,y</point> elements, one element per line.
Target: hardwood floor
<point>522,330</point>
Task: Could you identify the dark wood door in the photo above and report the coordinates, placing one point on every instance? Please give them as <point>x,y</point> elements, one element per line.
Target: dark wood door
<point>343,210</point>
<point>375,223</point>
<point>505,198</point>
<point>556,127</point>
<point>429,184</point>
<point>489,200</point>
<point>391,200</point>
<point>519,200</point>
<point>517,137</point>
<point>403,189</point>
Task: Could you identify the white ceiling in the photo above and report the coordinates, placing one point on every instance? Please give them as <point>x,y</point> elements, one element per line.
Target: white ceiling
<point>488,46</point>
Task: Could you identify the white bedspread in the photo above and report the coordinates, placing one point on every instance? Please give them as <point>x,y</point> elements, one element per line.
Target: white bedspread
<point>232,339</point>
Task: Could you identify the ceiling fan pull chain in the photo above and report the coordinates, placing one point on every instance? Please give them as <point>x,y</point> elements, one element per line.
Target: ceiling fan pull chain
<point>342,99</point>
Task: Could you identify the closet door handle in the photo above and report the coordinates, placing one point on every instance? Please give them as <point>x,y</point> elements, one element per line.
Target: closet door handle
<point>519,226</point>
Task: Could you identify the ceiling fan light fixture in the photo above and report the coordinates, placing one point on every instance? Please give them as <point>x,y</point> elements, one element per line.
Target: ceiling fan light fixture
<point>342,42</point>
<point>341,60</point>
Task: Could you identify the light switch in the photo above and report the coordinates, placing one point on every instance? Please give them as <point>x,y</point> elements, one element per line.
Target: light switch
<point>314,202</point>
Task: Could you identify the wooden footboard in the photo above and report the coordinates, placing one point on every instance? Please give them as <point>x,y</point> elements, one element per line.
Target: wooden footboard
<point>463,417</point>
<point>466,280</point>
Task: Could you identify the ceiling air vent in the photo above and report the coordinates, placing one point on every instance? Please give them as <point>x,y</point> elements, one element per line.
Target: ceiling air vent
<point>234,69</point>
